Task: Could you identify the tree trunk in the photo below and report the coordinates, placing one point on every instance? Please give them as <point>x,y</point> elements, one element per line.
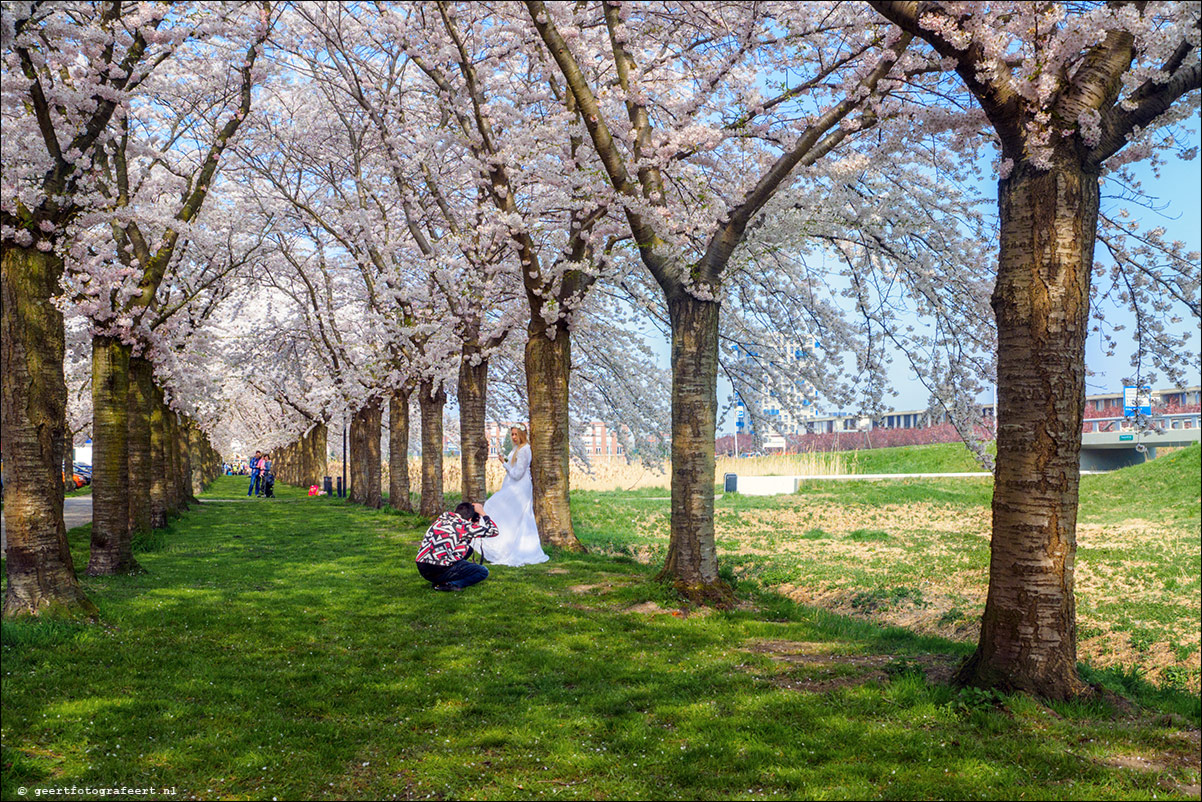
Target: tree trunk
<point>692,562</point>
<point>431,401</point>
<point>175,499</point>
<point>548,368</point>
<point>38,565</point>
<point>316,453</point>
<point>141,396</point>
<point>68,463</point>
<point>356,461</point>
<point>398,451</point>
<point>366,482</point>
<point>183,480</point>
<point>160,461</point>
<point>283,465</point>
<point>1041,301</point>
<point>170,461</point>
<point>473,445</point>
<point>111,551</point>
<point>196,458</point>
<point>188,478</point>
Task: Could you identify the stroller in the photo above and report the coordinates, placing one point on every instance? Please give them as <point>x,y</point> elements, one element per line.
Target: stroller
<point>268,484</point>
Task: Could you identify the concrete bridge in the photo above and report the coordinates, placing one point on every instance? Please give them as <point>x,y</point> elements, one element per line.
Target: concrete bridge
<point>1108,451</point>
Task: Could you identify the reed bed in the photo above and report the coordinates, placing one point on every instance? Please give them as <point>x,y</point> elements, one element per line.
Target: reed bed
<point>615,473</point>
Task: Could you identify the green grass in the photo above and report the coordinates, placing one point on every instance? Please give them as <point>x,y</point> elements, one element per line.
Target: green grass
<point>1167,487</point>
<point>935,458</point>
<point>288,649</point>
<point>86,490</point>
<point>838,543</point>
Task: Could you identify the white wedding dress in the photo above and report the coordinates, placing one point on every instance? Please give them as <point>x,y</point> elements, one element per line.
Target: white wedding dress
<point>512,510</point>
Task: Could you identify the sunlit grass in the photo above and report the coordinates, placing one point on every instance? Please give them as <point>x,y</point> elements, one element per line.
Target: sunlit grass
<point>923,545</point>
<point>288,649</point>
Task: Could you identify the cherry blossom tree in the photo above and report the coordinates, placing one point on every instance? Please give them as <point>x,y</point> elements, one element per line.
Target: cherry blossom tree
<point>674,105</point>
<point>520,128</point>
<point>68,69</point>
<point>155,173</point>
<point>1072,93</point>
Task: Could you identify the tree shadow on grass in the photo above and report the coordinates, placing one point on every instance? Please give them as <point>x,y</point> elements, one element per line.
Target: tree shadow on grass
<point>293,651</point>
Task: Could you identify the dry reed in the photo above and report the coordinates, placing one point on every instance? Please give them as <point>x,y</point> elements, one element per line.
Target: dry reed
<point>615,473</point>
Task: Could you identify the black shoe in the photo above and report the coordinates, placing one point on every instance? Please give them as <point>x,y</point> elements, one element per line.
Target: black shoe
<point>449,588</point>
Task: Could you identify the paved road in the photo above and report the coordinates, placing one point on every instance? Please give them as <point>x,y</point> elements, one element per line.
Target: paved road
<point>77,511</point>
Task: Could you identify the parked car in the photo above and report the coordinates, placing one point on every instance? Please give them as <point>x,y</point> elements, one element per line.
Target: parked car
<point>81,475</point>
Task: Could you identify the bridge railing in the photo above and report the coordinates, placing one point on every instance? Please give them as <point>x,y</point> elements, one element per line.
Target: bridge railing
<point>1162,422</point>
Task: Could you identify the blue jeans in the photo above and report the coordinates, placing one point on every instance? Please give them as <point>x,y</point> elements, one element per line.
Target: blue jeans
<point>254,483</point>
<point>460,574</point>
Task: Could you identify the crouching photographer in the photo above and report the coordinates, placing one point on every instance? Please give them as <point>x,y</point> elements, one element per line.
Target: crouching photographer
<point>442,559</point>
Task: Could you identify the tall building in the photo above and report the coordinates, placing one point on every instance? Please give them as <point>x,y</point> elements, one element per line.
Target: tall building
<point>784,404</point>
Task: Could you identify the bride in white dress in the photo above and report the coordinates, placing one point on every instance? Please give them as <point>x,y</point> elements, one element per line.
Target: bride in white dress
<point>512,509</point>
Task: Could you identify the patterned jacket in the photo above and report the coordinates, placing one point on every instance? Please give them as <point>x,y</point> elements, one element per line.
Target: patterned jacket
<point>450,537</point>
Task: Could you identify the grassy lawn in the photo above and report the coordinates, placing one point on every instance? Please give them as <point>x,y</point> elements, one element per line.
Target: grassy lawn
<point>915,553</point>
<point>934,458</point>
<point>288,649</point>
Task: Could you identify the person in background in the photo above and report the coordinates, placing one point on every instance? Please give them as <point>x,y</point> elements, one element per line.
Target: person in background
<point>267,477</point>
<point>253,490</point>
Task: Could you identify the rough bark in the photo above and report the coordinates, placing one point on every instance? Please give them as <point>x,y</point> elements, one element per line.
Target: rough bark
<point>548,368</point>
<point>473,444</point>
<point>431,401</point>
<point>111,549</point>
<point>159,461</point>
<point>141,396</point>
<point>366,482</point>
<point>175,497</point>
<point>196,458</point>
<point>316,455</point>
<point>692,562</point>
<point>187,459</point>
<point>398,451</point>
<point>170,461</point>
<point>183,469</point>
<point>38,565</point>
<point>1041,300</point>
<point>68,463</point>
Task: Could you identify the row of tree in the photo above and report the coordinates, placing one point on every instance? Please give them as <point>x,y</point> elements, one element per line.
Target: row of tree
<point>413,183</point>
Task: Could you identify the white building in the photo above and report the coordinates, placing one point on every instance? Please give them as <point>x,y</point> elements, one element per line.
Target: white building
<point>785,406</point>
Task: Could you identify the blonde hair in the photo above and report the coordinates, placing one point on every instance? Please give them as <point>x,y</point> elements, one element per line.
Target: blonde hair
<point>520,438</point>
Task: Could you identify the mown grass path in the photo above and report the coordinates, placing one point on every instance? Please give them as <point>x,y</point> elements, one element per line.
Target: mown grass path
<point>288,649</point>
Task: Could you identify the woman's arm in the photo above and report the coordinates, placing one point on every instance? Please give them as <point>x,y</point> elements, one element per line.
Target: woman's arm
<point>517,470</point>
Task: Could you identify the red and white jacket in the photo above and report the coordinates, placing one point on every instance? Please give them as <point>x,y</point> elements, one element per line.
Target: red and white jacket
<point>448,539</point>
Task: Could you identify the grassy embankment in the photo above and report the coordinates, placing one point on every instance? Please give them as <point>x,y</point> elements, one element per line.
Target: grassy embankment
<point>288,649</point>
<point>915,552</point>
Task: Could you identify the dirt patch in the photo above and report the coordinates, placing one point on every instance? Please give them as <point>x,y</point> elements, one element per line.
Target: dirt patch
<point>608,582</point>
<point>647,608</point>
<point>829,669</point>
<point>1164,765</point>
<point>651,608</point>
<point>557,571</point>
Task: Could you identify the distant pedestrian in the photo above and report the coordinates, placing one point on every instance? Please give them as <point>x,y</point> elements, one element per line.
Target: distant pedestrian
<point>267,477</point>
<point>253,490</point>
